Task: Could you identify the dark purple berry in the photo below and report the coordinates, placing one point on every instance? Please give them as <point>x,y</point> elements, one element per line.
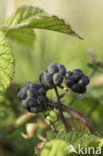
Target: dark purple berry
<point>24,104</point>
<point>32,102</point>
<point>76,76</point>
<point>21,95</point>
<point>48,79</point>
<point>69,83</point>
<point>41,100</point>
<point>76,88</point>
<point>52,68</point>
<point>62,69</point>
<point>82,90</point>
<point>58,78</point>
<point>36,109</point>
<point>68,74</point>
<point>42,91</point>
<point>33,93</point>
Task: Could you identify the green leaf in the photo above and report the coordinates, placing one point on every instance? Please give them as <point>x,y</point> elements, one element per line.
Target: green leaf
<point>22,36</point>
<point>91,106</point>
<point>76,138</point>
<point>6,64</point>
<point>23,15</point>
<point>30,17</point>
<point>77,125</point>
<point>55,148</point>
<point>73,137</point>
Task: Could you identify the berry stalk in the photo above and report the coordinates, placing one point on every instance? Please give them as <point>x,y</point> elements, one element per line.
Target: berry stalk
<point>60,109</point>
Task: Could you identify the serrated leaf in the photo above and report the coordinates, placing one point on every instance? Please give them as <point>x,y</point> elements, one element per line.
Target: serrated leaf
<point>55,148</point>
<point>6,64</point>
<point>23,14</point>
<point>30,17</point>
<point>77,139</point>
<point>74,137</point>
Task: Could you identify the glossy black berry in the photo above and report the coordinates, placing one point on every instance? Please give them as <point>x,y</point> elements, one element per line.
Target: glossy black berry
<point>52,68</point>
<point>58,78</point>
<point>76,81</point>
<point>76,75</point>
<point>53,76</point>
<point>24,104</point>
<point>31,102</point>
<point>68,74</point>
<point>62,69</point>
<point>47,77</point>
<point>42,91</point>
<point>76,88</point>
<point>32,96</point>
<point>82,90</point>
<point>35,109</point>
<point>22,95</point>
<point>69,82</point>
<point>32,92</point>
<point>41,99</point>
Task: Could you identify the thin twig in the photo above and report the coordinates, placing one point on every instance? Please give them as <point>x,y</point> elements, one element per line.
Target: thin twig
<point>63,94</point>
<point>60,109</point>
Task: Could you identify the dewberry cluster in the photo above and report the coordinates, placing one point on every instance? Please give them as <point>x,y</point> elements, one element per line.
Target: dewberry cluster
<point>32,96</point>
<point>53,76</point>
<point>76,81</point>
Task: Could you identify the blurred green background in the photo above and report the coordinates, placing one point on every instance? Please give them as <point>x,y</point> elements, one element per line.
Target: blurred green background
<point>85,17</point>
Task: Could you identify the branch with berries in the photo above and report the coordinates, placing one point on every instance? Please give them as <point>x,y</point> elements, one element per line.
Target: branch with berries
<point>33,96</point>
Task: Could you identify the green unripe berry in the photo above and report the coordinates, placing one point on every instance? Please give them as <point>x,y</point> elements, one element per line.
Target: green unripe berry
<point>53,114</point>
<point>47,121</point>
<point>49,118</point>
<point>53,120</point>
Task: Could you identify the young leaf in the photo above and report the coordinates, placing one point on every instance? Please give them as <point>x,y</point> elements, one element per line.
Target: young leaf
<point>30,17</point>
<point>6,64</point>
